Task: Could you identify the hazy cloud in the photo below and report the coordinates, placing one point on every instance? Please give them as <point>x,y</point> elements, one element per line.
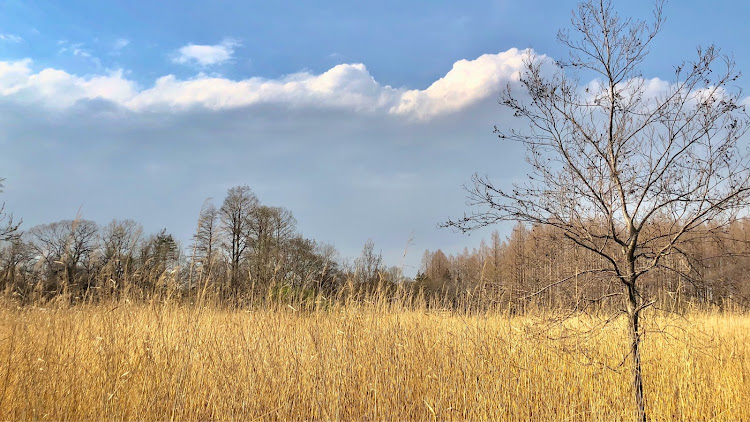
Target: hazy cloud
<point>10,38</point>
<point>120,43</point>
<point>78,50</point>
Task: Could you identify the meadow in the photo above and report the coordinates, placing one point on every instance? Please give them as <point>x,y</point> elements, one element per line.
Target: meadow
<point>360,361</point>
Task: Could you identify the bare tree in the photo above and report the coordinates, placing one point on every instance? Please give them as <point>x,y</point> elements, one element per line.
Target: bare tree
<point>611,159</point>
<point>437,267</point>
<point>309,264</point>
<point>235,214</point>
<point>65,246</point>
<point>205,239</point>
<point>369,265</point>
<point>270,229</point>
<point>12,257</point>
<point>8,228</point>
<point>120,239</point>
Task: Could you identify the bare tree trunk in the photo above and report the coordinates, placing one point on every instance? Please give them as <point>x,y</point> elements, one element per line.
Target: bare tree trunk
<point>634,312</point>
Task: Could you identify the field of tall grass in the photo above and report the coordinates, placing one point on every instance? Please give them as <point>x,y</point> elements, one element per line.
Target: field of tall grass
<point>365,361</point>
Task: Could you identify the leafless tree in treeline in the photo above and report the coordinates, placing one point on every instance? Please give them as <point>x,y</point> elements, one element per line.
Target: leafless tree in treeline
<point>307,263</point>
<point>436,266</point>
<point>261,246</point>
<point>235,215</point>
<point>13,257</point>
<point>241,245</point>
<point>66,247</point>
<point>611,158</point>
<point>369,265</point>
<point>523,273</point>
<point>270,230</point>
<point>205,241</point>
<point>119,242</point>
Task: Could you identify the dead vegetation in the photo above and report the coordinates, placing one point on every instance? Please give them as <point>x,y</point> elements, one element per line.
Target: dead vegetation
<point>369,360</point>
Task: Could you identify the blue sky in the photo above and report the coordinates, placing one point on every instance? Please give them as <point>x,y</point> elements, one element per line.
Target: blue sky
<point>365,119</point>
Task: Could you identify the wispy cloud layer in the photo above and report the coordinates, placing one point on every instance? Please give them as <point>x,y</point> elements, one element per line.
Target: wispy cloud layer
<point>120,43</point>
<point>206,55</point>
<point>78,50</point>
<point>346,86</point>
<point>10,38</point>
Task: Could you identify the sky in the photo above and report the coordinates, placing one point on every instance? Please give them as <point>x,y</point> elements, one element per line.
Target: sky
<point>365,119</point>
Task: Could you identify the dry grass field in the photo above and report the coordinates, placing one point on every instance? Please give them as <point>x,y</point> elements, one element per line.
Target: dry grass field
<point>362,362</point>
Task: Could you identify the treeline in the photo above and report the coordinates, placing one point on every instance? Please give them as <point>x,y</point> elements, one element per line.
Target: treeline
<point>538,266</point>
<point>241,251</point>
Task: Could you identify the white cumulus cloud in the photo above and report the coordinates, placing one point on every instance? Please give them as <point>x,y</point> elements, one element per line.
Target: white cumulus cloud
<point>56,88</point>
<point>349,86</point>
<point>206,55</point>
<point>466,83</point>
<point>345,86</point>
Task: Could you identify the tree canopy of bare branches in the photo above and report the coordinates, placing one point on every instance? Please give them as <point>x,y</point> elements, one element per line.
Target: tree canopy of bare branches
<point>65,245</point>
<point>235,216</point>
<point>612,158</point>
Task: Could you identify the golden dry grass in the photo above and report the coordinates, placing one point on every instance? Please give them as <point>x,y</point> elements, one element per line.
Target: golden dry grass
<point>138,362</point>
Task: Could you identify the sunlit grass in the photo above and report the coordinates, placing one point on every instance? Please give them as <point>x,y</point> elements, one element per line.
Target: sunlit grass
<point>140,362</point>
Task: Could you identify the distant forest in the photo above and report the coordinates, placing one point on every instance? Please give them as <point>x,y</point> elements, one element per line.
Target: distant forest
<point>244,252</point>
